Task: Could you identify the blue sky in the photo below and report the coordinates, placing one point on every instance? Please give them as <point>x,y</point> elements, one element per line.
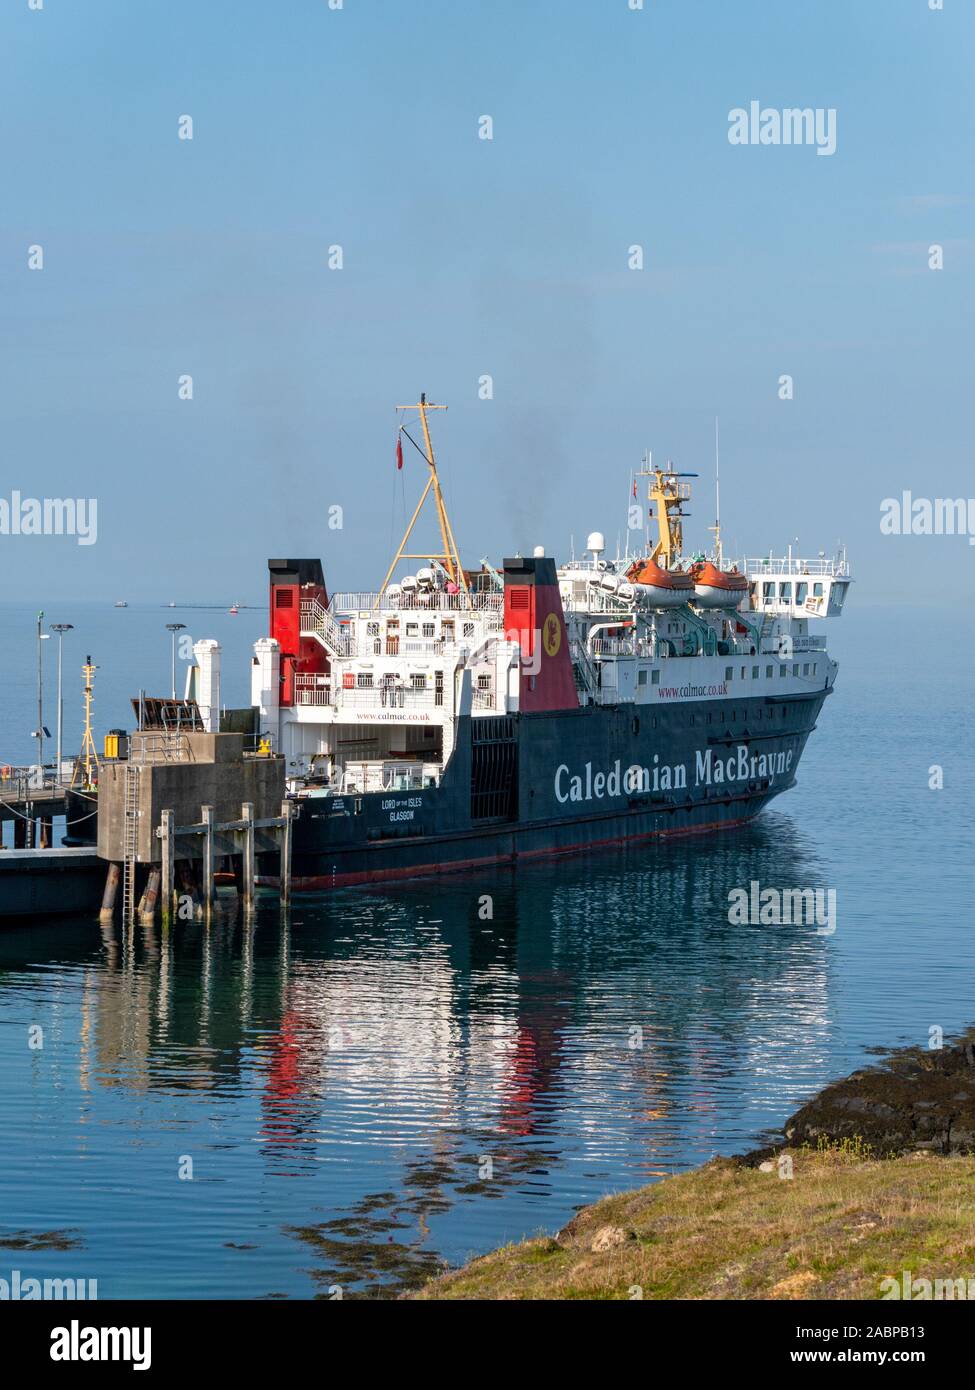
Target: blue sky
<point>465,257</point>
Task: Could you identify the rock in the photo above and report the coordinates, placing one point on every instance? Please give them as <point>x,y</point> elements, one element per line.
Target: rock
<point>766,1167</point>
<point>918,1099</point>
<point>608,1238</point>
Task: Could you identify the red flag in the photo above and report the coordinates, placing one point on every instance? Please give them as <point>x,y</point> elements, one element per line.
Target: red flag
<point>399,452</point>
<point>634,487</point>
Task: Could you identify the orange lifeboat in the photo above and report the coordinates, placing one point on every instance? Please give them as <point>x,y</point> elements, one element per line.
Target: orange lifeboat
<point>714,588</point>
<point>657,587</point>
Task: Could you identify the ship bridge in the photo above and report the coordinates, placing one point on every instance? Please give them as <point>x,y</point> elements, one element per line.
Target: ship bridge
<point>785,586</point>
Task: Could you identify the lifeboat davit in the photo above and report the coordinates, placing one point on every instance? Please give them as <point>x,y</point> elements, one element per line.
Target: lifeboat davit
<point>714,588</point>
<point>660,588</point>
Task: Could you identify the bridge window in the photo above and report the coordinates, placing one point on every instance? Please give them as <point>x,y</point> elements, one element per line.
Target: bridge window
<point>768,672</point>
<point>817,591</point>
<point>654,677</point>
<point>754,673</point>
<point>729,673</point>
<point>785,591</point>
<point>768,592</point>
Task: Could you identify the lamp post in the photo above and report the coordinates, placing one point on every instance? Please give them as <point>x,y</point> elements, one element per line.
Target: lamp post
<point>174,628</point>
<point>40,733</point>
<point>60,629</point>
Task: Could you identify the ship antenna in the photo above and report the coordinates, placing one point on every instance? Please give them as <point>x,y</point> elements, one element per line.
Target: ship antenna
<point>716,528</point>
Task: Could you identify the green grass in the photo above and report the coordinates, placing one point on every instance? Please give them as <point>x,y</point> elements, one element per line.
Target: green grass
<point>840,1225</point>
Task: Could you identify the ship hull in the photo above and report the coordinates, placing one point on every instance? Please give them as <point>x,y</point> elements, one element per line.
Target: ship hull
<point>531,786</point>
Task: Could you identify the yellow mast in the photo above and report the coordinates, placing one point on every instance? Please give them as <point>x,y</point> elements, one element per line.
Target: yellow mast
<point>448,557</point>
<point>668,494</point>
<point>88,753</point>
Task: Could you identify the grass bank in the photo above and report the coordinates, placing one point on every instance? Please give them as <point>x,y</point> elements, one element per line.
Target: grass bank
<point>836,1228</point>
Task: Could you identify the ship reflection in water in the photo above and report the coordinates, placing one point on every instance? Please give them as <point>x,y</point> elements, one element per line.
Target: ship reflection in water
<point>393,1079</point>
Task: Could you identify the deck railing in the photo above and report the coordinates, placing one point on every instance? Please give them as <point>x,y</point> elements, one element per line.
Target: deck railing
<point>434,601</point>
<point>312,690</point>
<point>787,565</point>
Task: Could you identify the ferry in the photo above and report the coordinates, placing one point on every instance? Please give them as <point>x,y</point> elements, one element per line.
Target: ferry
<point>456,718</point>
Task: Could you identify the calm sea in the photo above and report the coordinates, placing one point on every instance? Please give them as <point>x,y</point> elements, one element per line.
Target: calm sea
<point>387,1079</point>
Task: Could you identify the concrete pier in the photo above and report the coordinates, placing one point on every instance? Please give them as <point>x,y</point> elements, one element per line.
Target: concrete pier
<point>182,803</point>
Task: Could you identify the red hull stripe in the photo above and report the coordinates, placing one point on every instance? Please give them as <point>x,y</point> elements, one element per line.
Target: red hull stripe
<point>318,882</point>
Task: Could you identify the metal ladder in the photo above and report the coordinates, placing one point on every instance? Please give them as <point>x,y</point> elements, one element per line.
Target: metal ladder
<point>130,842</point>
<point>317,621</point>
<point>584,672</point>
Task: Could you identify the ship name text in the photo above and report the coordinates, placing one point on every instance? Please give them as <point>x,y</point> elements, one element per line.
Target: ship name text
<point>710,769</point>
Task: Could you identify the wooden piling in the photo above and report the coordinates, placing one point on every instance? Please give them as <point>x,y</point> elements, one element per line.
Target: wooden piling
<point>168,840</point>
<point>285,871</point>
<point>209,864</point>
<point>147,907</point>
<point>111,891</point>
<point>247,867</point>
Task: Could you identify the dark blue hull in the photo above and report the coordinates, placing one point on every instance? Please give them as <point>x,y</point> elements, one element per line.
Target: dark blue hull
<point>530,785</point>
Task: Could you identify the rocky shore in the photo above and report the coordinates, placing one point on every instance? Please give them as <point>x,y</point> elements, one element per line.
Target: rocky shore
<point>917,1100</point>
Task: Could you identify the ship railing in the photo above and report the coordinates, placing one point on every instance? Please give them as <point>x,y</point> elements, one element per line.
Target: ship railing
<point>615,646</point>
<point>483,699</point>
<point>388,697</point>
<point>431,646</point>
<point>432,601</point>
<point>388,776</point>
<point>394,645</point>
<point>316,691</point>
<point>757,567</point>
<point>599,601</point>
<point>313,690</point>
